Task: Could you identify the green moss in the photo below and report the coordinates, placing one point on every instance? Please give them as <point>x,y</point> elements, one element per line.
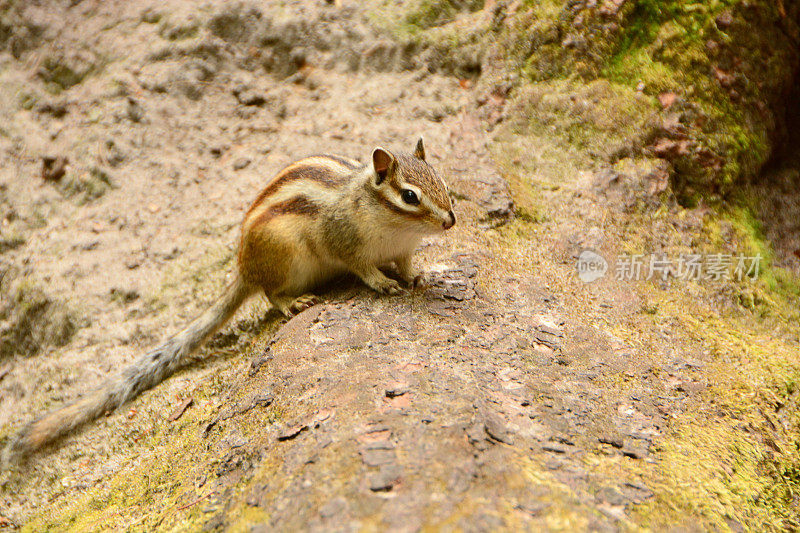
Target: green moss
<point>727,457</point>
<point>596,121</point>
<point>154,491</point>
<point>775,285</point>
<point>87,186</point>
<point>665,46</point>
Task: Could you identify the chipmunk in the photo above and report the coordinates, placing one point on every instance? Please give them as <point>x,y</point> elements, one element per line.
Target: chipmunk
<point>317,218</point>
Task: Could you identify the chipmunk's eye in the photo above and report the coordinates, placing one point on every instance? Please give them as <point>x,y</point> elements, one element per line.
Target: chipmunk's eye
<point>409,197</point>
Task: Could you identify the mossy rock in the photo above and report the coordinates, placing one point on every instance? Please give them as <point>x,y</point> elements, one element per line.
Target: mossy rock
<point>606,119</point>
<point>725,86</point>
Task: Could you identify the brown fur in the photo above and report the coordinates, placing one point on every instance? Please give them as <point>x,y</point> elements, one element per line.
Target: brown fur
<point>264,257</point>
<point>420,173</point>
<point>349,163</point>
<point>299,205</point>
<point>408,214</point>
<point>302,170</point>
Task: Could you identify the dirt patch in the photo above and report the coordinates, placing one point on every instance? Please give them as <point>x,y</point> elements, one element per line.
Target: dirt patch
<point>31,321</point>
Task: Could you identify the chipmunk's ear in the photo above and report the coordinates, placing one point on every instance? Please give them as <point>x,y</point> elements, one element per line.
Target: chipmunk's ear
<point>419,150</point>
<point>384,163</point>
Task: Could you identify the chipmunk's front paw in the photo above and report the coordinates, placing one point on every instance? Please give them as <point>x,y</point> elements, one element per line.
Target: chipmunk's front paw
<point>388,286</point>
<point>414,280</point>
<point>301,304</point>
<point>293,306</point>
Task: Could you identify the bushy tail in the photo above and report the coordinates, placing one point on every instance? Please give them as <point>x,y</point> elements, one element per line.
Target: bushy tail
<point>147,372</point>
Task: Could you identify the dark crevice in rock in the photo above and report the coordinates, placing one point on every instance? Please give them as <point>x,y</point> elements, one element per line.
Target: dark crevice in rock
<point>776,189</point>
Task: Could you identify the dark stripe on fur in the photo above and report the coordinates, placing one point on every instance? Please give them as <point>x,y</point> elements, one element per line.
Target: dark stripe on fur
<point>299,205</point>
<point>410,214</point>
<point>352,165</point>
<point>311,172</point>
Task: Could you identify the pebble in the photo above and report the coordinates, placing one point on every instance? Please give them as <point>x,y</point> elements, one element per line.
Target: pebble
<point>385,479</point>
<point>241,163</point>
<point>396,389</point>
<point>555,447</point>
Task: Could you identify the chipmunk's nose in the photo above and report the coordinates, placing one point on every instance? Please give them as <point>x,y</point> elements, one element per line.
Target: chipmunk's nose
<point>450,223</point>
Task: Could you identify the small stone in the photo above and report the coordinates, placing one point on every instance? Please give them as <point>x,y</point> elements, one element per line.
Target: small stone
<point>634,451</point>
<point>636,492</point>
<point>691,387</point>
<point>616,442</point>
<point>291,432</point>
<point>88,246</point>
<point>396,389</point>
<point>241,163</point>
<point>56,109</point>
<point>218,149</point>
<point>135,111</point>
<point>440,308</point>
<point>724,20</point>
<point>178,412</point>
<point>669,149</point>
<point>555,447</point>
<point>476,434</point>
<point>667,99</point>
<point>125,296</point>
<point>251,98</point>
<point>385,479</point>
<point>548,336</point>
<point>612,496</point>
<point>725,78</point>
<point>497,429</point>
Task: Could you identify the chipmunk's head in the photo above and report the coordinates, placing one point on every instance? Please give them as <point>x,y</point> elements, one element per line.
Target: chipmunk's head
<point>411,190</point>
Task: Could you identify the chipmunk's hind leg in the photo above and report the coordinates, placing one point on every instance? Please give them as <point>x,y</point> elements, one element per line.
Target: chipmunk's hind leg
<point>292,306</point>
